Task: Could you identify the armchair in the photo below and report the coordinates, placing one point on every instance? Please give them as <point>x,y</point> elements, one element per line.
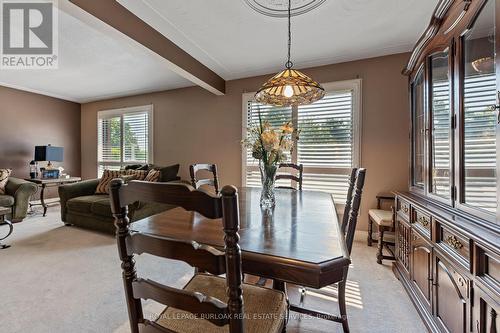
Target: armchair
<point>17,196</point>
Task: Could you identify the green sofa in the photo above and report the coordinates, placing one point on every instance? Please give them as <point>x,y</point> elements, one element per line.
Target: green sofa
<point>80,206</point>
<point>17,197</point>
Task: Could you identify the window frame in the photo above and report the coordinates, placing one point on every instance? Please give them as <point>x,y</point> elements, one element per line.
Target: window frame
<point>450,201</point>
<point>355,85</point>
<point>460,203</point>
<point>110,113</point>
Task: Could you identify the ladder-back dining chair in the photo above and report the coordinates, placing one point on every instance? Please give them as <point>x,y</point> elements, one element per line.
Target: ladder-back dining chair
<point>208,302</point>
<point>196,182</point>
<point>296,178</point>
<point>348,228</point>
<point>345,217</point>
<point>348,202</point>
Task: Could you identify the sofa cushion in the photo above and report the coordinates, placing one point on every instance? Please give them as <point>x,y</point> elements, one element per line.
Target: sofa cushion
<point>4,178</point>
<point>84,203</point>
<point>102,207</point>
<point>6,200</point>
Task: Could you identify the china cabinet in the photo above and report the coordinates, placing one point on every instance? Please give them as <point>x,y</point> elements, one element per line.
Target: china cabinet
<point>448,223</point>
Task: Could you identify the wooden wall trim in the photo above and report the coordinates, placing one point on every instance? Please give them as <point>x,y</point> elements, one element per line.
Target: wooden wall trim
<point>182,63</point>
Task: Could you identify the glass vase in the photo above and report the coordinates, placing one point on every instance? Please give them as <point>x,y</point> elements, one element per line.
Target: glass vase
<point>268,179</point>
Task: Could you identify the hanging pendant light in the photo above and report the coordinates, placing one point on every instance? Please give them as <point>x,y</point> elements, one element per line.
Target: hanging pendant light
<point>290,86</point>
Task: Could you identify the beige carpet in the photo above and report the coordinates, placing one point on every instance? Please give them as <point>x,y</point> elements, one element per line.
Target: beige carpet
<point>64,279</point>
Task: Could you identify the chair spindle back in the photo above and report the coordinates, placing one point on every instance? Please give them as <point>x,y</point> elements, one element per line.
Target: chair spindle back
<point>205,257</point>
<point>298,179</point>
<point>196,183</point>
<point>355,204</point>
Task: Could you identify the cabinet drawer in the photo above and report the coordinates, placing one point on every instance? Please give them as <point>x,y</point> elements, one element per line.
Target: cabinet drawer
<point>404,209</point>
<point>487,266</point>
<point>422,221</point>
<point>492,269</point>
<point>455,244</point>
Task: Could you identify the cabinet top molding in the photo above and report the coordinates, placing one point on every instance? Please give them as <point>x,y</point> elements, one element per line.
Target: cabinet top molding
<point>448,16</point>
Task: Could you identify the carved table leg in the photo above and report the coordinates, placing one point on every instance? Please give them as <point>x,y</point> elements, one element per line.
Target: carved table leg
<point>42,200</point>
<point>5,246</point>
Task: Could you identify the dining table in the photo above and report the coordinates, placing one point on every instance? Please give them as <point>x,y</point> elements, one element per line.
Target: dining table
<point>299,241</point>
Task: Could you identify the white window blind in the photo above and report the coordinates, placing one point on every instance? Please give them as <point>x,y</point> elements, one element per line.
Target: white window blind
<point>276,116</point>
<point>480,141</point>
<point>326,142</point>
<point>124,137</point>
<point>329,137</point>
<point>441,138</point>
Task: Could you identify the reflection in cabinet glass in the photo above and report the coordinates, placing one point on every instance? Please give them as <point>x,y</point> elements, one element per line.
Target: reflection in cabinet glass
<point>441,125</point>
<point>417,93</point>
<point>479,94</point>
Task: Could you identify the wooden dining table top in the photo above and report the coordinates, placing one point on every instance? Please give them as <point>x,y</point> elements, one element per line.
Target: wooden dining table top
<point>298,242</point>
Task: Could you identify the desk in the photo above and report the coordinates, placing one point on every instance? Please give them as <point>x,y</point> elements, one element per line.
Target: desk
<point>49,182</point>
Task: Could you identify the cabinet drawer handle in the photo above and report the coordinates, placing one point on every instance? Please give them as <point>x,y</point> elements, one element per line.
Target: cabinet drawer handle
<point>454,242</point>
<point>423,221</point>
<point>405,209</point>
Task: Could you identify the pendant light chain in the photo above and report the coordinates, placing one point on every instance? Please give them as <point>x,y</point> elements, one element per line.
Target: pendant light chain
<point>290,86</point>
<point>289,64</point>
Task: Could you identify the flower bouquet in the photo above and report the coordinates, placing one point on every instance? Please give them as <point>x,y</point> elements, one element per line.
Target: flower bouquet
<point>271,146</point>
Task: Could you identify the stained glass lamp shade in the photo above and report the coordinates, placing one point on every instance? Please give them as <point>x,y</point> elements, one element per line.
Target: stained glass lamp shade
<point>290,87</point>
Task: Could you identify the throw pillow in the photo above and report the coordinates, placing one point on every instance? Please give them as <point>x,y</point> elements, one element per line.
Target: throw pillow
<point>127,178</point>
<point>4,177</point>
<point>169,173</point>
<point>153,176</point>
<point>132,167</point>
<point>107,177</point>
<point>146,167</point>
<point>140,174</point>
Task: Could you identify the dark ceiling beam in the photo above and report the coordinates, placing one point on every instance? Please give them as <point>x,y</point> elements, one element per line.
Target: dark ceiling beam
<point>120,18</point>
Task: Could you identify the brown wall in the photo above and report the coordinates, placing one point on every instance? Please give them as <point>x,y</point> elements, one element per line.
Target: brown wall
<point>27,120</point>
<point>193,125</point>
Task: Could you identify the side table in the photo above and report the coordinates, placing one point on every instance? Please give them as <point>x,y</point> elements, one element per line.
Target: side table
<point>4,211</point>
<point>49,182</point>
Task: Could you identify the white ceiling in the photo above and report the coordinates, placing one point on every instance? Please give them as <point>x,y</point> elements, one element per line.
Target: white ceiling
<point>235,41</point>
<point>97,62</point>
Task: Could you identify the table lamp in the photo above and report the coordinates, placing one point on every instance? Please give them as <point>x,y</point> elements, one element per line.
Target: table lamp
<point>49,154</point>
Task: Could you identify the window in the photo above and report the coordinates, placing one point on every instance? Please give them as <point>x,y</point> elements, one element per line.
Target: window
<point>124,137</point>
<point>329,137</point>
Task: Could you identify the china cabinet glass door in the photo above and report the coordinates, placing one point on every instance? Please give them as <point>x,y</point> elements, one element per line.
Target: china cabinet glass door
<point>440,121</point>
<point>479,119</point>
<point>419,131</point>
